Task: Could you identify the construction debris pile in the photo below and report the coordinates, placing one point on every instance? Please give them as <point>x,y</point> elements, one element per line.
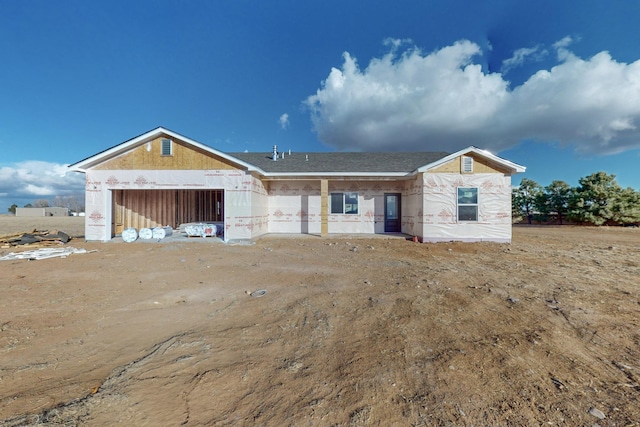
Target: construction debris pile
<point>34,239</point>
<point>36,245</point>
<point>44,253</point>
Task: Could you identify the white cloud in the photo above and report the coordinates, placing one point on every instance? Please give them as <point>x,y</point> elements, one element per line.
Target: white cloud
<point>594,104</point>
<point>284,121</point>
<point>27,181</point>
<point>395,44</point>
<point>402,100</point>
<point>520,56</point>
<point>562,48</point>
<point>444,101</point>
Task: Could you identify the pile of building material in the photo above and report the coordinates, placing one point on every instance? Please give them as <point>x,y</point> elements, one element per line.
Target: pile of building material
<point>35,238</point>
<point>44,253</point>
<point>131,234</point>
<point>201,230</point>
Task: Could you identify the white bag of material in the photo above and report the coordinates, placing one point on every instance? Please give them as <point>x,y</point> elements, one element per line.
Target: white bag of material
<point>209,230</point>
<point>129,235</point>
<point>201,230</point>
<point>145,233</point>
<point>162,232</point>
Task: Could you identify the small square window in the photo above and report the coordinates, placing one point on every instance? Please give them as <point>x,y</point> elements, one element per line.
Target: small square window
<point>167,148</point>
<point>337,203</point>
<point>344,203</point>
<point>467,213</point>
<point>467,203</point>
<point>351,203</point>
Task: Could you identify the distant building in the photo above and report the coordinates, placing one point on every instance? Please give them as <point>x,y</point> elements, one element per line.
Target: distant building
<point>42,211</point>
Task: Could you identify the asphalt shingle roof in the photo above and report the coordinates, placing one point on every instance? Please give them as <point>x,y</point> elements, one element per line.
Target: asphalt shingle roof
<point>341,162</point>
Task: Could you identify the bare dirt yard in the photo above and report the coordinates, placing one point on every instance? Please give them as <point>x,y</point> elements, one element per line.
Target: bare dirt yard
<point>351,331</point>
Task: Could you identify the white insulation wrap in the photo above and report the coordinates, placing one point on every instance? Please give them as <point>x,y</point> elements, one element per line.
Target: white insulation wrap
<point>429,206</point>
<point>441,208</point>
<point>129,235</point>
<point>145,233</point>
<point>162,232</point>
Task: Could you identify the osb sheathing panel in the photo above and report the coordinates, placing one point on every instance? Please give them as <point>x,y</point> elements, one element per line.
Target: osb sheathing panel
<point>480,165</point>
<point>148,156</point>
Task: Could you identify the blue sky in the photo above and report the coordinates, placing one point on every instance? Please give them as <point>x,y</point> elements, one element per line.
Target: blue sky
<point>554,86</point>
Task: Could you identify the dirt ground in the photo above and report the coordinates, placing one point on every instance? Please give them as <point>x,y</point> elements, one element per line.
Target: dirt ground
<point>351,331</point>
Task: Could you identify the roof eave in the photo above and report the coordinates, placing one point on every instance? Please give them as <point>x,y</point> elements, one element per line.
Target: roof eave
<point>336,174</point>
<point>90,162</point>
<point>512,167</point>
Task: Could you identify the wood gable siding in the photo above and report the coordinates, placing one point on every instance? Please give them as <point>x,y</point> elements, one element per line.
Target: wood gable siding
<point>480,165</point>
<point>147,156</point>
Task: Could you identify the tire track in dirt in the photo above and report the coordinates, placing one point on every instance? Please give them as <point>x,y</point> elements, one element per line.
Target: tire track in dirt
<point>390,333</point>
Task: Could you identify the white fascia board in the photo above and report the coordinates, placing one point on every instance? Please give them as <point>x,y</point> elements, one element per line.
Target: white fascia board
<point>82,165</point>
<point>335,174</point>
<point>515,168</point>
<point>114,151</point>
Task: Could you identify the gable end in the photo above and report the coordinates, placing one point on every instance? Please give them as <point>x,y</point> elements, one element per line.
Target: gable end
<point>478,165</point>
<point>165,153</point>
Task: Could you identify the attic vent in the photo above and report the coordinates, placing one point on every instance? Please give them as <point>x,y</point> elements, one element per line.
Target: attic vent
<point>467,164</point>
<point>166,147</point>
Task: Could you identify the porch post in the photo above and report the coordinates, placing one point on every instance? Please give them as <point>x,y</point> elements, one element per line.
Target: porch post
<point>324,207</point>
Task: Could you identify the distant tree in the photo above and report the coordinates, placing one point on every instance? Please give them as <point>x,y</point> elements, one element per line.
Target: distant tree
<point>626,208</point>
<point>28,205</point>
<point>41,203</point>
<point>594,199</point>
<point>525,198</point>
<point>554,200</point>
<point>13,208</point>
<point>72,202</point>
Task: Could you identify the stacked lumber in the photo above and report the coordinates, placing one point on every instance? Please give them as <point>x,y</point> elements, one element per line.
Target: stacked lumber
<point>34,239</point>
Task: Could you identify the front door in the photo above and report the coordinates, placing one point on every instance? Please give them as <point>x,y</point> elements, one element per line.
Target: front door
<point>392,213</point>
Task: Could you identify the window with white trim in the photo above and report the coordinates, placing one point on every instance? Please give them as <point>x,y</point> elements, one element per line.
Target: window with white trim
<point>344,203</point>
<point>467,203</point>
<point>467,164</point>
<point>167,147</point>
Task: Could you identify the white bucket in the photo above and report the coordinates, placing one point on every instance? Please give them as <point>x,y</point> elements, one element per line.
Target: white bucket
<point>129,235</point>
<point>145,233</point>
<point>162,232</point>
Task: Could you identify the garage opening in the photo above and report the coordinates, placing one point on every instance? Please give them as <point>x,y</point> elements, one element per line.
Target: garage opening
<point>154,208</point>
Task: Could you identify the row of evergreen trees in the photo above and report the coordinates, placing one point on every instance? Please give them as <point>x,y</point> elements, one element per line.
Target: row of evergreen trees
<point>597,200</point>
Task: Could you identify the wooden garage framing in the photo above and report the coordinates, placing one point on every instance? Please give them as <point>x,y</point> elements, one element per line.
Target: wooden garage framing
<point>153,208</point>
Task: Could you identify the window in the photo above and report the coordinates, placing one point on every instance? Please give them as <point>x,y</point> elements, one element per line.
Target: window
<point>467,203</point>
<point>344,203</point>
<point>467,164</point>
<point>166,147</point>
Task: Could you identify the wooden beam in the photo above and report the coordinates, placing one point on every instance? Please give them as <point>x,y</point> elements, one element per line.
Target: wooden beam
<point>324,207</point>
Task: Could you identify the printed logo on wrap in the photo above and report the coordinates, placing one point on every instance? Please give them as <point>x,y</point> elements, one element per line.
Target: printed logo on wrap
<point>141,181</point>
<point>96,217</point>
<point>112,181</point>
